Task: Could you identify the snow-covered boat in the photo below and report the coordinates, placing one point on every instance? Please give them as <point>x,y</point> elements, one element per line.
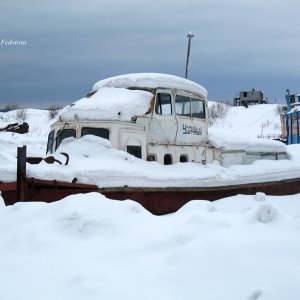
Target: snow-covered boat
<point>156,117</point>
<point>163,120</point>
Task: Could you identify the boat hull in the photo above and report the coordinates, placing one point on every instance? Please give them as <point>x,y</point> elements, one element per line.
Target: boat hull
<point>158,201</point>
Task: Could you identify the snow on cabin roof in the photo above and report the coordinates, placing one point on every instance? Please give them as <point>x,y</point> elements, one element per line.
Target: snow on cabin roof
<point>109,104</point>
<point>151,80</point>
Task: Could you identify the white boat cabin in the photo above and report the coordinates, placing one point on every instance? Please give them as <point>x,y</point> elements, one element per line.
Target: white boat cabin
<point>155,117</point>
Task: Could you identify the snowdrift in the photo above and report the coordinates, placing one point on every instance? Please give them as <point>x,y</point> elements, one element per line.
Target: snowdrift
<point>89,247</point>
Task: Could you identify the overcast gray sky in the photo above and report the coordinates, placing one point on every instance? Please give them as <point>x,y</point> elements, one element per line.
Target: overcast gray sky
<point>238,45</point>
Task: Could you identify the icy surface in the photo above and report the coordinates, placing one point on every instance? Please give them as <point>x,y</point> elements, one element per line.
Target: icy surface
<point>89,247</point>
<point>151,80</point>
<point>109,104</point>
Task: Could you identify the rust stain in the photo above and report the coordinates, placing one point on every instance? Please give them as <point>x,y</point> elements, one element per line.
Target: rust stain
<point>158,201</point>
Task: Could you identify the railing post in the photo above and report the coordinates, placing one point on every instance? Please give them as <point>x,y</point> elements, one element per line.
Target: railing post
<point>21,173</point>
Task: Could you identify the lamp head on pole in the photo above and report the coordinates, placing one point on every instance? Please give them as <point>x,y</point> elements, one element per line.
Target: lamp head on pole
<point>190,35</point>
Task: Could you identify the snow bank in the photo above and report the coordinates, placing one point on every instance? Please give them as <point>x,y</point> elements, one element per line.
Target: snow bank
<point>240,127</point>
<point>109,104</point>
<point>218,139</point>
<point>89,247</point>
<point>35,139</point>
<point>94,161</point>
<point>38,120</point>
<point>266,214</point>
<point>248,122</point>
<point>151,80</point>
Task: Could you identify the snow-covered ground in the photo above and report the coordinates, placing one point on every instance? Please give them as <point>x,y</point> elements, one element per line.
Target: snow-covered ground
<point>89,247</point>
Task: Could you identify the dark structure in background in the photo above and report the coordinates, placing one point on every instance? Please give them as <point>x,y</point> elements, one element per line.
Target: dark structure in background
<point>247,98</point>
<point>16,127</point>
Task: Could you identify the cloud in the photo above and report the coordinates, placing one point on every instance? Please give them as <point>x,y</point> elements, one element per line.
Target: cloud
<point>73,44</point>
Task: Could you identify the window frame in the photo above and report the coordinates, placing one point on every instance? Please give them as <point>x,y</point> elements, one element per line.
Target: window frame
<point>156,107</point>
<point>191,100</point>
<point>183,106</point>
<point>95,128</point>
<point>136,151</point>
<point>203,106</point>
<point>58,140</point>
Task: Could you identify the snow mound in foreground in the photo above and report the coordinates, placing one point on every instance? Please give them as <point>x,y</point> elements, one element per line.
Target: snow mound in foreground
<point>266,214</point>
<point>89,247</point>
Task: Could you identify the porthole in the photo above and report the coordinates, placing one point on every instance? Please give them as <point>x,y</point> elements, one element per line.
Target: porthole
<point>151,157</point>
<point>183,158</point>
<point>168,159</point>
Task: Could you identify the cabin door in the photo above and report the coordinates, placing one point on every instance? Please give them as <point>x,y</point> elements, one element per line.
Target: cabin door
<point>163,126</point>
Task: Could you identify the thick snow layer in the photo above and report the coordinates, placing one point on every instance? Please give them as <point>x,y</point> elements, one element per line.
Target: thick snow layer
<point>254,121</point>
<point>249,144</point>
<point>109,104</point>
<point>94,161</point>
<point>89,247</point>
<point>151,80</point>
<point>240,127</point>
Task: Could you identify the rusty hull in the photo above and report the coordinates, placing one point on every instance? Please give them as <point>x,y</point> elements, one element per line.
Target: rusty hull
<point>158,201</point>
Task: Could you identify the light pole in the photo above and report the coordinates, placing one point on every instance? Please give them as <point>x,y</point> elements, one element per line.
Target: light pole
<point>190,35</point>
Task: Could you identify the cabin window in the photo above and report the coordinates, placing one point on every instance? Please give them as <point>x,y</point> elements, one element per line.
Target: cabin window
<point>183,105</point>
<point>198,108</point>
<point>168,160</point>
<point>101,132</point>
<point>50,142</point>
<point>183,158</point>
<point>151,157</point>
<point>63,134</point>
<point>163,104</point>
<point>135,151</point>
<point>189,107</point>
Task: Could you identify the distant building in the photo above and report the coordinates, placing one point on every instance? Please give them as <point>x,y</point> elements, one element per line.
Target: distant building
<point>247,98</point>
